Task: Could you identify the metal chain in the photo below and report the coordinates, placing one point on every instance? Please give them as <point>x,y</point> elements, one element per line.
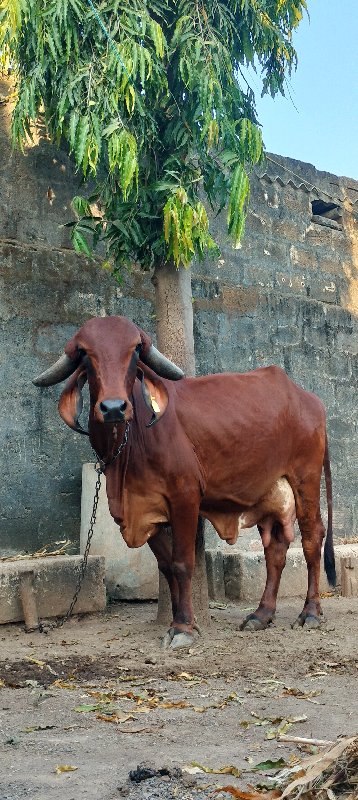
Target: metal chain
<point>83,566</point>
<point>100,468</point>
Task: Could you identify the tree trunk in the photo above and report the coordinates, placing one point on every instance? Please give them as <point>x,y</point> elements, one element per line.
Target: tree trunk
<point>175,339</point>
<point>174,310</point>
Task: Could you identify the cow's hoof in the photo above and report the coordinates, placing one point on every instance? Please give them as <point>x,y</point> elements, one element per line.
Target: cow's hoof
<point>178,641</point>
<point>253,623</point>
<point>309,621</point>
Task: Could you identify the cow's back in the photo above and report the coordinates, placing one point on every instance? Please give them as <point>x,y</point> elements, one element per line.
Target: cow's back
<point>248,429</point>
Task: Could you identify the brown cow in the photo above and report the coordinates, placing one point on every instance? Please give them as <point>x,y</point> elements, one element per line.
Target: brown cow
<point>213,445</point>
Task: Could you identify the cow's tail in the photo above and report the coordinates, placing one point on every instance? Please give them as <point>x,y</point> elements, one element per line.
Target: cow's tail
<point>329,560</point>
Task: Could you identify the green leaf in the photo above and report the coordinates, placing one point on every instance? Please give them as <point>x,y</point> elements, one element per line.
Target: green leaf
<point>264,766</point>
<point>80,244</point>
<point>149,101</point>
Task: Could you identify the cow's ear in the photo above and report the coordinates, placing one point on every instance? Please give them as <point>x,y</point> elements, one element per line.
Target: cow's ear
<point>71,402</point>
<point>154,393</point>
<point>146,341</point>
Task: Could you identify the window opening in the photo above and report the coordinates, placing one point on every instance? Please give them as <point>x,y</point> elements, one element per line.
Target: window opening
<point>329,214</point>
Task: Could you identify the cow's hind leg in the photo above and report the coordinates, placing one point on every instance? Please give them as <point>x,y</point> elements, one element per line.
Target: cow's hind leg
<point>275,556</point>
<point>312,531</point>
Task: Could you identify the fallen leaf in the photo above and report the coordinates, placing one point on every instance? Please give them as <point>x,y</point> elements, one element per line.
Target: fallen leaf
<point>300,694</point>
<point>40,664</point>
<point>2,683</point>
<point>217,604</point>
<point>191,770</point>
<point>219,770</point>
<point>64,684</point>
<point>117,719</point>
<point>64,768</point>
<point>175,704</point>
<point>140,730</point>
<point>145,709</point>
<point>36,661</point>
<point>263,766</point>
<point>310,768</point>
<point>186,676</point>
<point>270,795</point>
<point>99,707</point>
<point>33,728</point>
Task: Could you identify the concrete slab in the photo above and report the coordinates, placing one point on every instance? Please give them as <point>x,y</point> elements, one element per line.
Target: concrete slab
<point>130,574</point>
<point>54,584</point>
<point>244,573</point>
<point>349,576</point>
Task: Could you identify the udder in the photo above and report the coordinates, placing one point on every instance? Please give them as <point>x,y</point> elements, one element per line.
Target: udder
<point>277,506</point>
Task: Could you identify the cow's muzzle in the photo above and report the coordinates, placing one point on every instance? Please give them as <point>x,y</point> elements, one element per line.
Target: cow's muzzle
<point>113,410</point>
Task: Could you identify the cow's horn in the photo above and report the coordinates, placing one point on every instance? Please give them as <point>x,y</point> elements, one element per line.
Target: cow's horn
<point>161,365</point>
<point>62,369</point>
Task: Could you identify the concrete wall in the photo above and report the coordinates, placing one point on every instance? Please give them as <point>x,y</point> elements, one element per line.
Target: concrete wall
<point>288,296</point>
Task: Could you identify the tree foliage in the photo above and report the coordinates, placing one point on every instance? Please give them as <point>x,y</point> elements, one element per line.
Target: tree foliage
<point>151,102</point>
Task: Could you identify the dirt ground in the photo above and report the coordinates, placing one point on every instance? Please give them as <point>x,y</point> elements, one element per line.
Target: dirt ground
<point>101,696</point>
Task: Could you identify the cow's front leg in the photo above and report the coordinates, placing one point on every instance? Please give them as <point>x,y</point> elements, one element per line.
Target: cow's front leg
<point>161,546</point>
<point>184,522</point>
<point>275,556</point>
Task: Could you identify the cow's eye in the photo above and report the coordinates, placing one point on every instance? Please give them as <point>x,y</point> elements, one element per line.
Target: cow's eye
<point>138,347</point>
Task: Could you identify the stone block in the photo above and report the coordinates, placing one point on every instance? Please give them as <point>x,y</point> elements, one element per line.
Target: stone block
<point>322,290</point>
<point>288,228</point>
<point>130,574</point>
<point>215,574</point>
<point>245,573</point>
<point>318,235</point>
<point>287,335</point>
<point>349,576</point>
<point>54,585</point>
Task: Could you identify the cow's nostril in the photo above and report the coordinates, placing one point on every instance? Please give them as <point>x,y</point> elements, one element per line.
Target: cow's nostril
<point>112,407</point>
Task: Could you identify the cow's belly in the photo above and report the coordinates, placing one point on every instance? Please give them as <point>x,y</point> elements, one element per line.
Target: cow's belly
<point>141,515</point>
<point>276,505</point>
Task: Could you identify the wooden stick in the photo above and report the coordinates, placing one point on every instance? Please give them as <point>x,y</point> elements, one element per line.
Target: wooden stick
<point>302,740</point>
<point>28,600</point>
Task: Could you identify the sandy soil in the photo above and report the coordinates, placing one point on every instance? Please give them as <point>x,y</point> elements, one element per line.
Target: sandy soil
<point>100,695</point>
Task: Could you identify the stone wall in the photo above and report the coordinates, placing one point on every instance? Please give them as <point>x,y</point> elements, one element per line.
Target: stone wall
<point>288,296</point>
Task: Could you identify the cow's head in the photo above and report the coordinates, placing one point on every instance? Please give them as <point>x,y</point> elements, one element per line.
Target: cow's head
<point>108,352</point>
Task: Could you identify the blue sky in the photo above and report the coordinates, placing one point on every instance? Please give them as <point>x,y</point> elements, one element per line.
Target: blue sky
<point>323,128</point>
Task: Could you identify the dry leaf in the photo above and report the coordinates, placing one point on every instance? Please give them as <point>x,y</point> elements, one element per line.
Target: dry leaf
<point>64,684</point>
<point>117,718</point>
<point>316,765</point>
<point>40,664</point>
<point>301,695</point>
<point>219,770</point>
<point>175,704</point>
<point>140,730</point>
<point>270,795</point>
<point>186,676</point>
<point>64,768</point>
<point>33,728</point>
<point>36,661</point>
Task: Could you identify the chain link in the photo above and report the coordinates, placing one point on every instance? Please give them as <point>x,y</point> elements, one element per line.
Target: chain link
<point>100,468</point>
<point>83,566</point>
